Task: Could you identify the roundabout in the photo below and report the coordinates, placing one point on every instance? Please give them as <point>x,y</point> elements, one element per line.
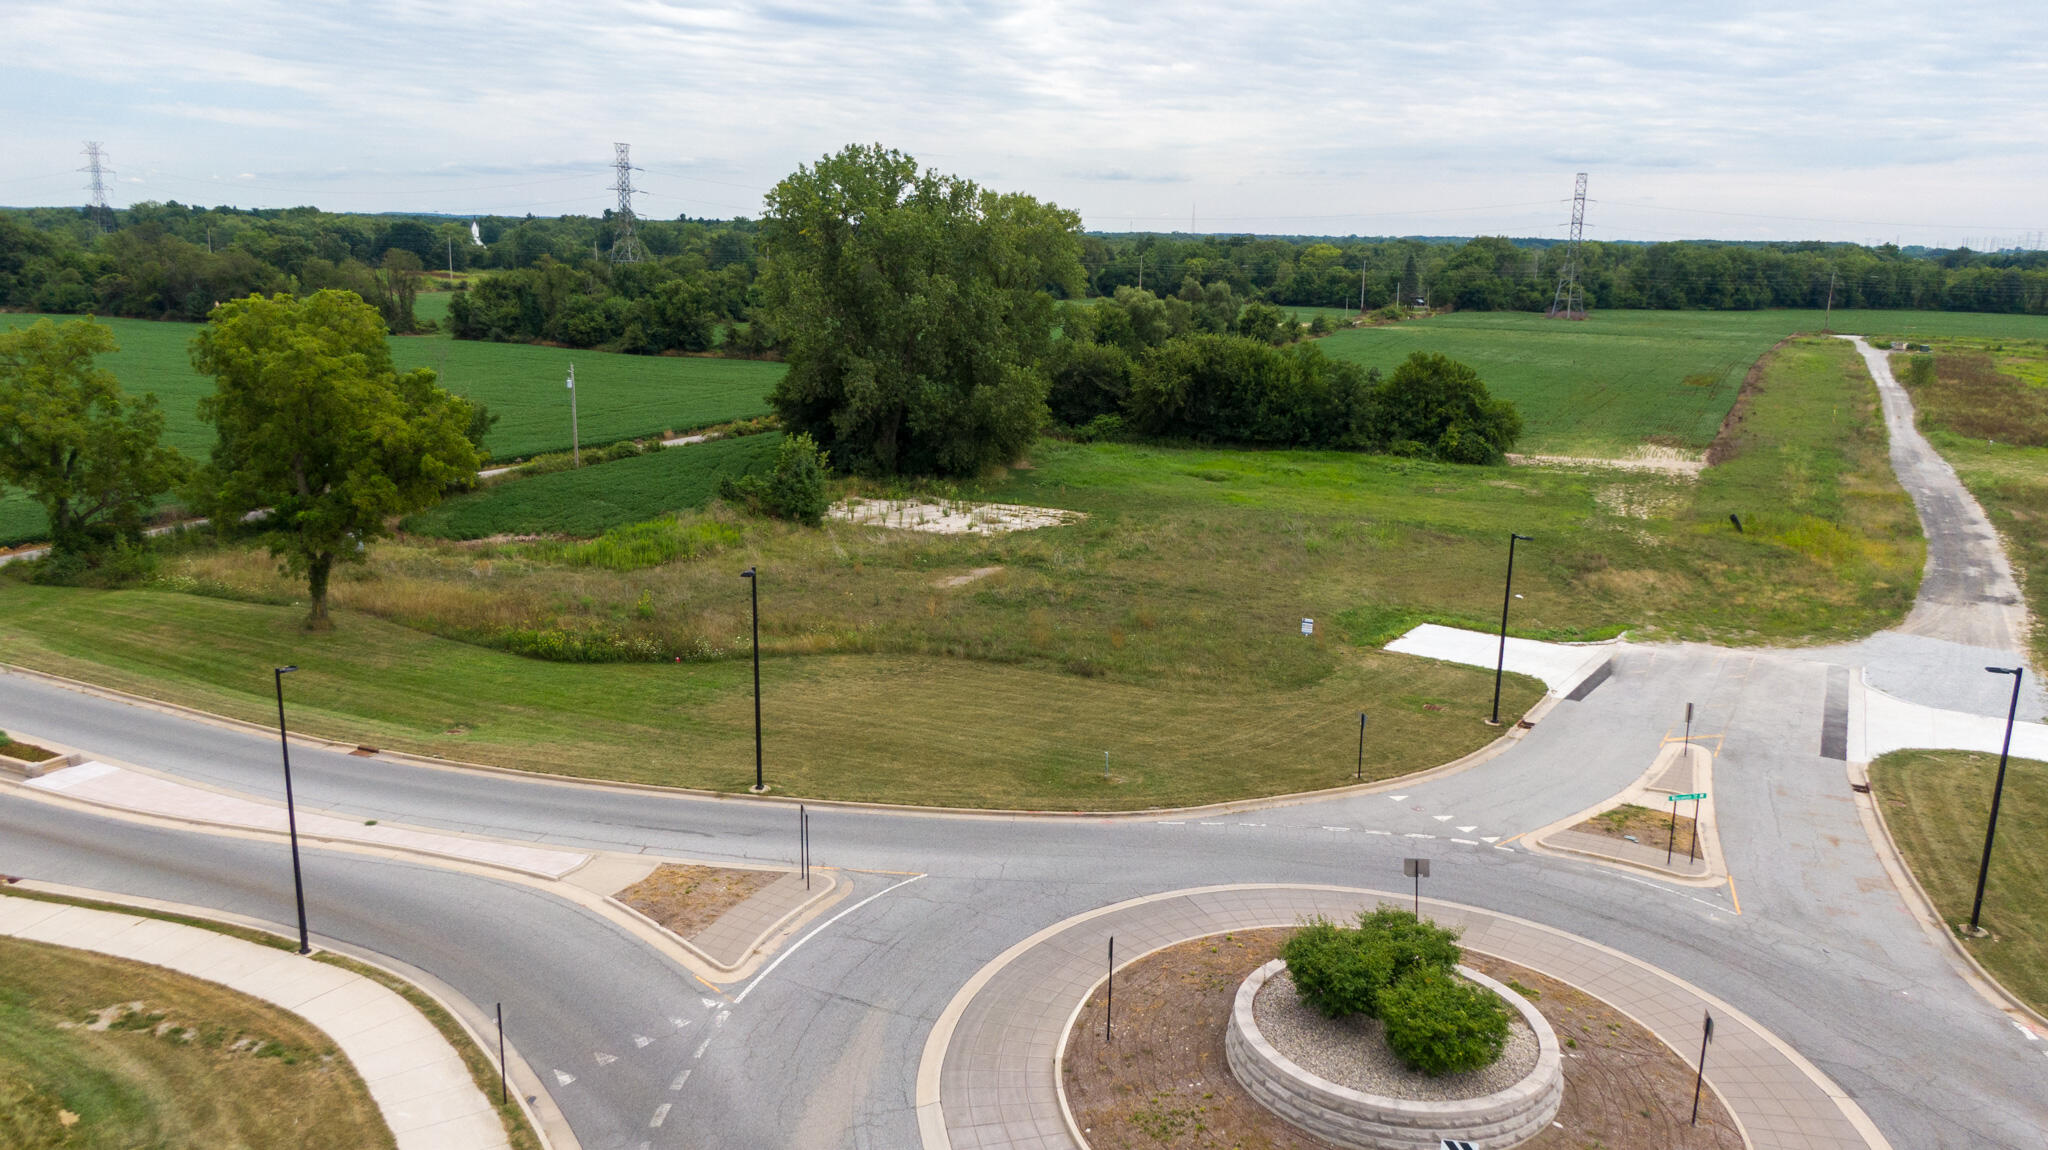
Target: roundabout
<point>990,1077</point>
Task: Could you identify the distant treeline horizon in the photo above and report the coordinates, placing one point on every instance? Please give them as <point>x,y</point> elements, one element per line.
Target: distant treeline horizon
<point>553,279</point>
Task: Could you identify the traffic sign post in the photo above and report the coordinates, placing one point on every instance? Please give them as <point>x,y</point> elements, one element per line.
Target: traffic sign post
<point>1671,836</point>
<point>1417,869</point>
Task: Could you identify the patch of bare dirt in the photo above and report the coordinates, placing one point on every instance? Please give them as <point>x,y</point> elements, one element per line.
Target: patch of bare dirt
<point>1650,827</point>
<point>964,580</point>
<point>1164,1081</point>
<point>686,899</point>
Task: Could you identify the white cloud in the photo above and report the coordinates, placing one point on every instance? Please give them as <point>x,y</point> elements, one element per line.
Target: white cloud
<point>1826,120</point>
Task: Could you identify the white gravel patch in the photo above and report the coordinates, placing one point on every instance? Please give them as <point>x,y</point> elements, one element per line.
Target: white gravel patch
<point>1353,1051</point>
<point>1662,460</point>
<point>950,517</point>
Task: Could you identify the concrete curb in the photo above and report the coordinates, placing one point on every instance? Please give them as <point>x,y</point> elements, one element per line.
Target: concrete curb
<point>1535,713</point>
<point>1710,829</point>
<point>1923,909</point>
<point>797,914</point>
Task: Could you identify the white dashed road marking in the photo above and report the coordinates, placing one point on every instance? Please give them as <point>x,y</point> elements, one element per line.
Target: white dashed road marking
<point>679,1080</point>
<point>1379,832</point>
<point>1467,842</point>
<point>660,1115</point>
<point>641,1041</point>
<point>701,1046</point>
<point>1417,835</point>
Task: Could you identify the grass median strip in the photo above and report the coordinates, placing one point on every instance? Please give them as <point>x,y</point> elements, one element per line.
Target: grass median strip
<point>1936,804</point>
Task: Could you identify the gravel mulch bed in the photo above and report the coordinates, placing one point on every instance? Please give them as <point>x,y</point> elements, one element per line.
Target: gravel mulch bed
<point>686,899</point>
<point>1354,1052</point>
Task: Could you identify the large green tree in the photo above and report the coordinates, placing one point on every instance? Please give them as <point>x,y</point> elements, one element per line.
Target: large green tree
<point>316,427</point>
<point>916,310</point>
<point>74,442</point>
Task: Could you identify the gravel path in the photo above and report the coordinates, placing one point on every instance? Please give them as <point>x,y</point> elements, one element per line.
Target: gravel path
<point>1353,1052</point>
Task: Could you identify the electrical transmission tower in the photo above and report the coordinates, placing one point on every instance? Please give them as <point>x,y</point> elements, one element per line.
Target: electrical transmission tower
<point>96,167</point>
<point>625,246</point>
<point>1570,300</point>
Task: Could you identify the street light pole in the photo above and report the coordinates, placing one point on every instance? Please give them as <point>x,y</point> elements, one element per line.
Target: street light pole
<point>1506,595</point>
<point>290,812</point>
<point>754,588</point>
<point>1997,790</point>
<point>1360,776</point>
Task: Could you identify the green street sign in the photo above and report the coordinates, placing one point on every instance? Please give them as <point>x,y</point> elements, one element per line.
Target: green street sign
<point>1683,798</point>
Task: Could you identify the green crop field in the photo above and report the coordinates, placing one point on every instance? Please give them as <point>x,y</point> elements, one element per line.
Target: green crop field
<point>586,501</point>
<point>1623,379</point>
<point>618,396</point>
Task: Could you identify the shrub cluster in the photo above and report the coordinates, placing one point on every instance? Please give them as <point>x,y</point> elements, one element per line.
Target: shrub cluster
<point>1399,969</point>
<point>795,490</point>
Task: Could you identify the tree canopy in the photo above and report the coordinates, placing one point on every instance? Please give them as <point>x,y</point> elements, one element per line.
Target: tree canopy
<point>316,427</point>
<point>73,441</point>
<point>916,311</point>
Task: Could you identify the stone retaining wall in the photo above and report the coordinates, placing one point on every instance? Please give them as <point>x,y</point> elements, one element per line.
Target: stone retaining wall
<point>1353,1118</point>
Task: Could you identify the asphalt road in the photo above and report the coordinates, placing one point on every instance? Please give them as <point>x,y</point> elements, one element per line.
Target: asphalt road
<point>821,1050</point>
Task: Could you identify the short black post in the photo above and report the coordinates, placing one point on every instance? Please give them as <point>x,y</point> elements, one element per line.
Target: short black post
<point>754,590</point>
<point>1360,776</point>
<point>504,1096</point>
<point>1671,835</point>
<point>1109,996</point>
<point>1507,594</point>
<point>1692,848</point>
<point>291,815</point>
<point>1699,1079</point>
<point>1997,789</point>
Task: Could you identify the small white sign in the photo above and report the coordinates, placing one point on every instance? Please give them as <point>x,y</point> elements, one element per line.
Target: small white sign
<point>1308,626</point>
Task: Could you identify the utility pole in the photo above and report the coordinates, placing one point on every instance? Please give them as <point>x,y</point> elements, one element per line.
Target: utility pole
<point>575,439</point>
<point>96,167</point>
<point>451,263</point>
<point>1828,316</point>
<point>1363,265</point>
<point>625,247</point>
<point>1569,301</point>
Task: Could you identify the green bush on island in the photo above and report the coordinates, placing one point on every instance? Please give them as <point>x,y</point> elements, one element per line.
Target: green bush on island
<point>1401,970</point>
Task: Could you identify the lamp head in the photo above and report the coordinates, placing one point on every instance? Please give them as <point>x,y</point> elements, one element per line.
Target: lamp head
<point>1523,538</point>
<point>2003,670</point>
<point>747,574</point>
<point>286,670</point>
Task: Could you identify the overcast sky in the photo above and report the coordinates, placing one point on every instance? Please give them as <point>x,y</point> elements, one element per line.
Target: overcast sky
<point>1920,123</point>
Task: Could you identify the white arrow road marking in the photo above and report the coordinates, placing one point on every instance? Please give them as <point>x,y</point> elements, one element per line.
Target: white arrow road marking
<point>722,1016</point>
<point>709,1003</point>
<point>679,1080</point>
<point>1397,798</point>
<point>641,1041</point>
<point>699,1053</point>
<point>564,1078</point>
<point>1489,838</point>
<point>1467,830</point>
<point>1441,818</point>
<point>660,1115</point>
<point>679,1023</point>
<point>604,1059</point>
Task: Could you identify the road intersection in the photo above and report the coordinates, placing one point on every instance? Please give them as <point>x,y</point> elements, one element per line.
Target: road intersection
<point>822,1046</point>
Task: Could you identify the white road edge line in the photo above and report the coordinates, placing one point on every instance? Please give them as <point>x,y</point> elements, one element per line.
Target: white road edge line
<point>794,946</point>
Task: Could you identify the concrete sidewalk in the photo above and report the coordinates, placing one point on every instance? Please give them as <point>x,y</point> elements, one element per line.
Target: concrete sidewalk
<point>425,1092</point>
<point>149,794</point>
<point>1892,724</point>
<point>1561,666</point>
<point>987,1078</point>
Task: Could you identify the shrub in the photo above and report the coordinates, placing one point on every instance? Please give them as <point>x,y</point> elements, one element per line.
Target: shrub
<point>1340,971</point>
<point>1438,1024</point>
<point>795,490</point>
<point>1434,404</point>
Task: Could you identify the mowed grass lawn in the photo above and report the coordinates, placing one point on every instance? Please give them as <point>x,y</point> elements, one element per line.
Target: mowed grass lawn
<point>179,1063</point>
<point>1937,804</point>
<point>1622,379</point>
<point>618,396</point>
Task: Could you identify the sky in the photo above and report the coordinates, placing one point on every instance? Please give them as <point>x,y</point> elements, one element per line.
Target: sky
<point>1869,122</point>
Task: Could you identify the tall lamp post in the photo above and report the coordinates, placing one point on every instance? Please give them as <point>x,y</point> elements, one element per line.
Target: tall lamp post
<point>1507,593</point>
<point>1997,790</point>
<point>290,812</point>
<point>754,587</point>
